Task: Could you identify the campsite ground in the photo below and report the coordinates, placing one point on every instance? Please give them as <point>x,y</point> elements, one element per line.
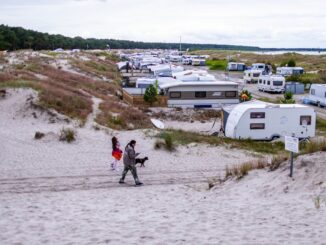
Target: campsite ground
<point>54,192</point>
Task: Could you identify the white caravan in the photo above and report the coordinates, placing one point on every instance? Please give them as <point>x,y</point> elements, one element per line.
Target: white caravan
<point>233,66</point>
<point>271,83</point>
<point>192,76</point>
<point>198,62</point>
<point>288,71</point>
<point>201,94</point>
<point>317,94</point>
<point>264,121</point>
<point>252,76</point>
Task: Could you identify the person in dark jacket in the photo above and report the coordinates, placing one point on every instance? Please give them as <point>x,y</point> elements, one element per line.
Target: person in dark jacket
<point>129,162</point>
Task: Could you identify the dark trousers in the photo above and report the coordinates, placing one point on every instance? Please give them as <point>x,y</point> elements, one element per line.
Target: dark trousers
<point>133,171</point>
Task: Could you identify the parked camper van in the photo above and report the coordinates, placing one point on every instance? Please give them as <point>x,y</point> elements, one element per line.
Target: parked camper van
<point>264,121</point>
<point>233,66</point>
<point>271,83</point>
<point>198,62</point>
<point>252,76</point>
<point>317,94</point>
<point>288,71</point>
<point>201,94</point>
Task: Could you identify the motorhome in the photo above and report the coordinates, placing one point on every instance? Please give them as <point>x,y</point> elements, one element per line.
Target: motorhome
<point>201,94</point>
<point>251,76</point>
<point>198,62</point>
<point>144,82</point>
<point>164,70</point>
<point>233,66</point>
<point>265,121</point>
<point>192,76</point>
<point>271,83</point>
<point>317,94</point>
<point>289,71</point>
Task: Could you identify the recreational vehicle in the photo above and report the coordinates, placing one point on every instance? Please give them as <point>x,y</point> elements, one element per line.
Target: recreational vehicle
<point>317,94</point>
<point>251,76</point>
<point>192,76</point>
<point>198,62</point>
<point>264,121</point>
<point>164,70</point>
<point>201,94</point>
<point>233,66</point>
<point>288,71</point>
<point>271,83</point>
<point>144,82</point>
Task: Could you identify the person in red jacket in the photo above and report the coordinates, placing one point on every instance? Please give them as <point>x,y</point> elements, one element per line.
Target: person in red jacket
<point>116,153</point>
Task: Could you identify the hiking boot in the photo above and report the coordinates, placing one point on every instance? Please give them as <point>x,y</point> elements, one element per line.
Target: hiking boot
<point>139,183</point>
<point>121,181</point>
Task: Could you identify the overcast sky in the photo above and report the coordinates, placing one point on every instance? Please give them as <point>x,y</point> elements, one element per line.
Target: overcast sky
<point>275,23</point>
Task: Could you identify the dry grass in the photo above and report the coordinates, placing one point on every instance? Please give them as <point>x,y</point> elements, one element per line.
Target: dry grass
<point>99,68</point>
<point>239,171</point>
<point>119,116</point>
<point>277,161</point>
<point>314,146</point>
<point>68,135</point>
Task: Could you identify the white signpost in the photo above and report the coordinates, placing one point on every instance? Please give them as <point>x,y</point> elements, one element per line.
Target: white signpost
<point>292,145</point>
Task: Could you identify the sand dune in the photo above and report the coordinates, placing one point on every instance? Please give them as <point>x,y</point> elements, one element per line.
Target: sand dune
<point>53,192</point>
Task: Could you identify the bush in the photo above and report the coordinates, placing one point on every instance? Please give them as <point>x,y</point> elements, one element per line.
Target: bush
<point>68,135</point>
<point>291,63</point>
<point>217,64</point>
<point>166,142</point>
<point>39,135</point>
<point>288,98</point>
<point>243,169</point>
<point>245,95</point>
<point>150,95</point>
<point>276,161</point>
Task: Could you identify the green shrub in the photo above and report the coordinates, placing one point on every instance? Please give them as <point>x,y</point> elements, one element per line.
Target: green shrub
<point>291,63</point>
<point>150,95</point>
<point>288,98</point>
<point>217,64</point>
<point>67,134</point>
<point>166,142</point>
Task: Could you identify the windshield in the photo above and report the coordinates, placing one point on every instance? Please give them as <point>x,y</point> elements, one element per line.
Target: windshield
<point>278,83</point>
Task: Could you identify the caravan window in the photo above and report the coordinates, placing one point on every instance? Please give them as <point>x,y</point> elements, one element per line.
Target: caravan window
<point>230,94</point>
<point>201,94</point>
<point>255,126</point>
<point>264,82</point>
<point>313,92</point>
<point>305,120</point>
<point>268,82</point>
<point>278,83</point>
<point>257,115</point>
<point>260,81</point>
<point>175,95</point>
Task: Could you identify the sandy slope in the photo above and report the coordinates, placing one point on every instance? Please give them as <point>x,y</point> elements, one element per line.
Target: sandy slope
<point>57,193</point>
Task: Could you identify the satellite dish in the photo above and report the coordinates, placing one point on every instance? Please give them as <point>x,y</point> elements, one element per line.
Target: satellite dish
<point>157,123</point>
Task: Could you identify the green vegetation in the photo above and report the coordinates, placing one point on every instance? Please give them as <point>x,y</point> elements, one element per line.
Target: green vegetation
<point>184,138</point>
<point>167,142</point>
<point>311,63</point>
<point>217,64</point>
<point>288,98</point>
<point>13,38</point>
<point>321,126</point>
<point>307,78</point>
<point>151,93</point>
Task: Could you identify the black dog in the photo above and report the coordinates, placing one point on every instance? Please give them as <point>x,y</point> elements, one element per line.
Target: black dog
<point>141,161</point>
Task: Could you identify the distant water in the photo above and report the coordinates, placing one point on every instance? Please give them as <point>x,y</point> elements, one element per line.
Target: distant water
<point>291,51</point>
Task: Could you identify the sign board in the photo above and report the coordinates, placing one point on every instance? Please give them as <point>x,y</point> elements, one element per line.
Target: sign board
<point>292,144</point>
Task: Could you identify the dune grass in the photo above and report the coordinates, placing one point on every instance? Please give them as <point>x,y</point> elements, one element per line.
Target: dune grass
<point>184,138</point>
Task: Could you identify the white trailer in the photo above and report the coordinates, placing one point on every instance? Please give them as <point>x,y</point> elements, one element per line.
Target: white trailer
<point>264,121</point>
<point>317,94</point>
<point>252,76</point>
<point>233,66</point>
<point>288,71</point>
<point>201,94</point>
<point>271,83</point>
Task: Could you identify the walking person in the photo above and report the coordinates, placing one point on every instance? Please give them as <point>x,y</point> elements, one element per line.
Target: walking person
<point>116,153</point>
<point>129,162</point>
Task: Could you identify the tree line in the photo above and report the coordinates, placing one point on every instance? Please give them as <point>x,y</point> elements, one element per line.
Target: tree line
<point>15,38</point>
